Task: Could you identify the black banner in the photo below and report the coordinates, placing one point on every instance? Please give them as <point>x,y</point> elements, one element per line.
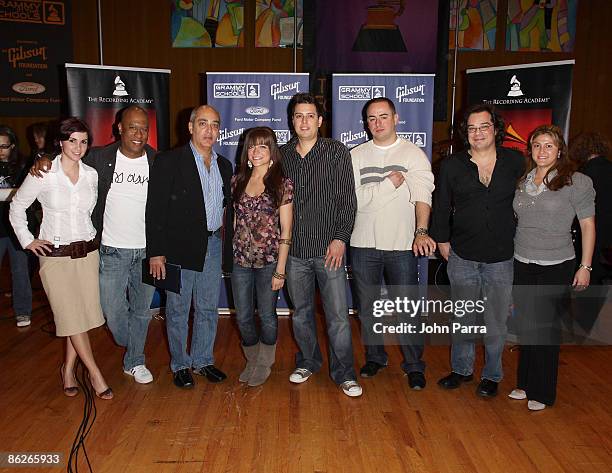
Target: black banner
<point>97,93</point>
<point>35,39</point>
<point>527,95</point>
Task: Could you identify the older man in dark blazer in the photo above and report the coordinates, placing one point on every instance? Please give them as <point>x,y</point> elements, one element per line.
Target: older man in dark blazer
<point>188,191</point>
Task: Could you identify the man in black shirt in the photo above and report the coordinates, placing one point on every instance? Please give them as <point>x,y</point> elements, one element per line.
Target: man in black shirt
<point>324,207</point>
<point>476,187</point>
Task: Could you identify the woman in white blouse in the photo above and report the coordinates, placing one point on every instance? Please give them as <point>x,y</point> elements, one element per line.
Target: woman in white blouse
<point>67,249</point>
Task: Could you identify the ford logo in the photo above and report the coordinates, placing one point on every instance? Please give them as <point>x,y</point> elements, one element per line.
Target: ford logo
<point>29,88</point>
<point>257,110</point>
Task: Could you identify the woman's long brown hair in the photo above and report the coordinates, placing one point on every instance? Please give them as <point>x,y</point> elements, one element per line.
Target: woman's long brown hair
<point>563,165</point>
<point>273,180</point>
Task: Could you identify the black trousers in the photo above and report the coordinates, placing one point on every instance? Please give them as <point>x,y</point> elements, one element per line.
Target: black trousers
<point>541,300</point>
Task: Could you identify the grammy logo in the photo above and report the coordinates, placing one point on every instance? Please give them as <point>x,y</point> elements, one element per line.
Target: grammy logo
<point>380,33</point>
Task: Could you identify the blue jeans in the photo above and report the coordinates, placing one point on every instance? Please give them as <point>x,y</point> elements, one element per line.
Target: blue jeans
<point>126,300</point>
<point>22,289</point>
<point>246,284</point>
<point>301,275</point>
<point>203,288</point>
<point>399,269</point>
<point>491,282</point>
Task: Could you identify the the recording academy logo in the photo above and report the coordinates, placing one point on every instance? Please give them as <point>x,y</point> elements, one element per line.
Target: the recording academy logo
<point>360,92</point>
<point>236,90</point>
<point>120,94</point>
<point>279,88</point>
<point>282,136</point>
<point>410,94</point>
<point>350,139</point>
<point>515,88</point>
<point>517,96</point>
<point>419,138</point>
<point>120,90</point>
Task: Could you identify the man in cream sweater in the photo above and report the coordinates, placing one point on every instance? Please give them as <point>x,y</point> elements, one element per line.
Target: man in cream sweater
<point>394,183</point>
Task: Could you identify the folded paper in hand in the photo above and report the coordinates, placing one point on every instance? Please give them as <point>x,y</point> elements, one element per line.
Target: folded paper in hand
<point>172,282</point>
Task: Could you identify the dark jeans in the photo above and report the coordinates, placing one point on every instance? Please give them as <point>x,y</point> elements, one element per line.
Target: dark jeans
<point>399,269</point>
<point>22,290</point>
<point>301,275</point>
<point>247,285</point>
<point>539,320</point>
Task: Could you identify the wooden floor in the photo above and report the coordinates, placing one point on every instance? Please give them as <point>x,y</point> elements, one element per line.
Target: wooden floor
<point>312,427</point>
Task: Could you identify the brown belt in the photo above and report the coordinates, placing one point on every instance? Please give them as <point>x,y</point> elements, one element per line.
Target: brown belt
<point>76,249</point>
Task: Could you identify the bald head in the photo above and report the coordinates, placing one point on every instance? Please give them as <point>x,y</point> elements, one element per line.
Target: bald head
<point>200,108</point>
<point>134,131</point>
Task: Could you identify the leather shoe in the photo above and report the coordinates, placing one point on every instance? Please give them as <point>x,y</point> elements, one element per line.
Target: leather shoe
<point>487,388</point>
<point>454,380</point>
<point>370,369</point>
<point>183,379</point>
<point>211,373</point>
<point>416,380</point>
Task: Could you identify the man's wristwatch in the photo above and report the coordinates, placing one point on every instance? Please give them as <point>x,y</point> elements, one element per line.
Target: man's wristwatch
<point>421,231</point>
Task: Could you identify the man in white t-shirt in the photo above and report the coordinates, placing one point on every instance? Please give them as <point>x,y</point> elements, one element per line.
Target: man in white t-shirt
<point>393,183</point>
<point>119,218</point>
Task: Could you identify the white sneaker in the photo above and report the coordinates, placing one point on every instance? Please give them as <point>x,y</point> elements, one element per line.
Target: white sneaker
<point>535,406</point>
<point>23,320</point>
<point>351,388</point>
<point>300,375</point>
<point>517,394</point>
<point>141,374</point>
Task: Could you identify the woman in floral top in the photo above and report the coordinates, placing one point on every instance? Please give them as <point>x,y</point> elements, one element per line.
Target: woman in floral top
<point>263,204</point>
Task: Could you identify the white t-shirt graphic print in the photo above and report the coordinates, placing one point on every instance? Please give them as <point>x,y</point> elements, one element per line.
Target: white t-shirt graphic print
<point>124,215</point>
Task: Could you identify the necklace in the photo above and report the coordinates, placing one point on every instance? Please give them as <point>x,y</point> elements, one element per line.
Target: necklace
<point>527,200</point>
<point>485,171</point>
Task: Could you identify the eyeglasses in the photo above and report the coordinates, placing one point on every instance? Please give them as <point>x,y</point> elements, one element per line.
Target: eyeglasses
<point>133,129</point>
<point>5,146</point>
<point>298,117</point>
<point>472,130</point>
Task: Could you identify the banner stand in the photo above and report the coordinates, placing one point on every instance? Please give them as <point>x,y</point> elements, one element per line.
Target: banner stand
<point>526,95</point>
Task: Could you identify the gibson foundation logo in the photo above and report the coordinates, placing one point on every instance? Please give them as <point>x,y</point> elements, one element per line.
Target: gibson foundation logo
<point>348,137</point>
<point>229,137</point>
<point>406,94</point>
<point>280,88</point>
<point>17,56</point>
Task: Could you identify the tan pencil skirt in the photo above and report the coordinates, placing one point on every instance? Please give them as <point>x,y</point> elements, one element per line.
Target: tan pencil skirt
<point>73,290</point>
